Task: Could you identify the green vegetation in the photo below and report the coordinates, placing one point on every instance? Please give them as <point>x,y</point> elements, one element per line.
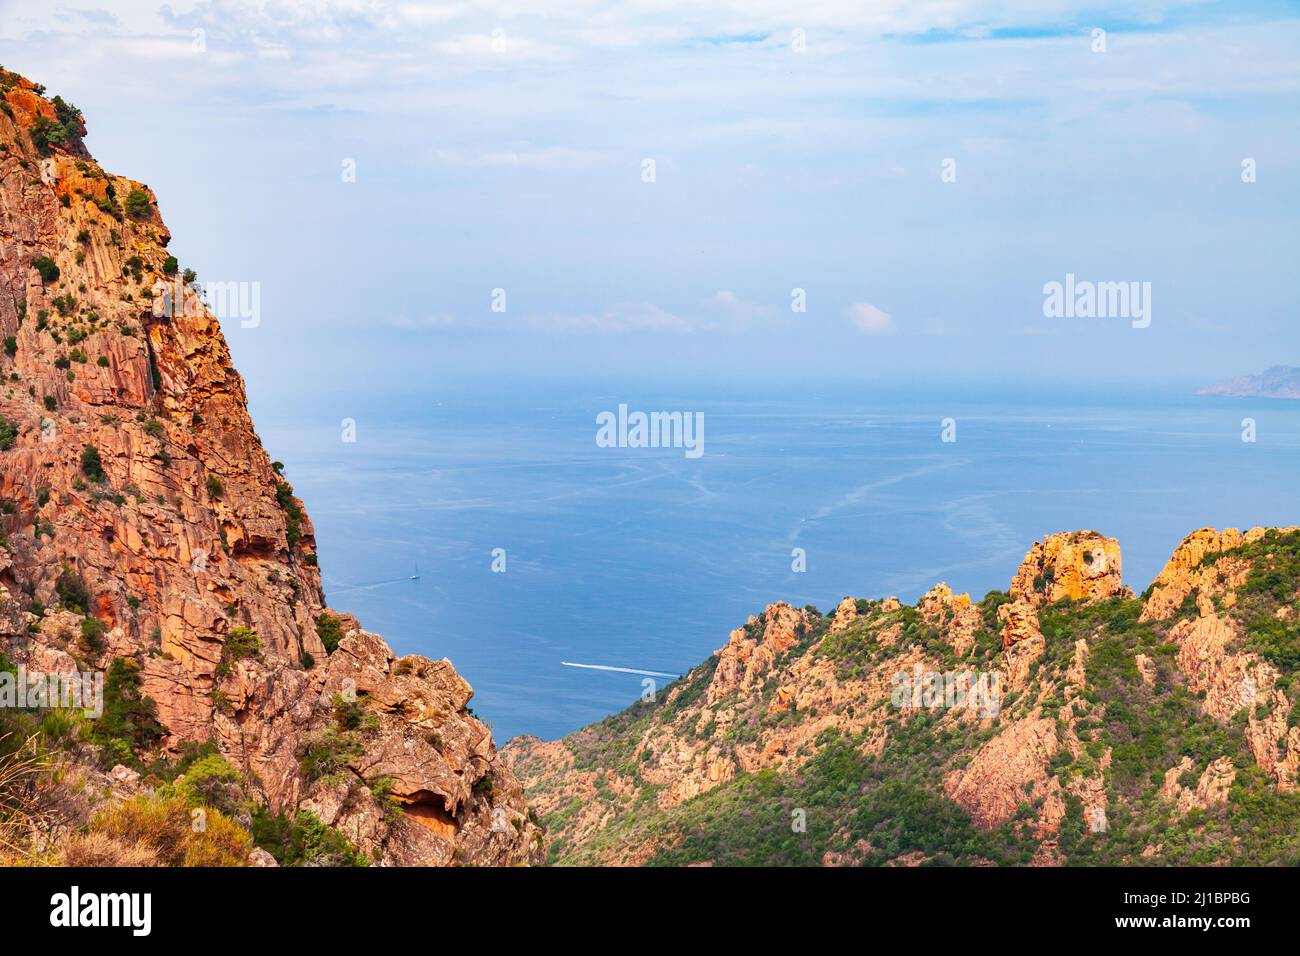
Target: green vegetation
<point>326,755</point>
<point>63,130</point>
<point>292,513</point>
<point>241,644</point>
<point>211,781</point>
<point>8,433</point>
<point>129,723</point>
<point>329,632</point>
<point>92,634</point>
<point>47,268</point>
<point>72,591</point>
<point>138,205</point>
<point>303,840</point>
<point>92,466</point>
<point>158,831</point>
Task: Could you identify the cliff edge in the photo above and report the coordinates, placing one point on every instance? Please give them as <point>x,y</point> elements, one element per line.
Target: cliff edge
<point>146,534</point>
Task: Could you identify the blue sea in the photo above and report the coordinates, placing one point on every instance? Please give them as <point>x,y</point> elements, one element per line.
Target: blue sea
<point>646,559</point>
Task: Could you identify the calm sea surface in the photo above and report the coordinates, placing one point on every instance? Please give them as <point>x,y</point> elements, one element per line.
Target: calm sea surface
<point>645,559</point>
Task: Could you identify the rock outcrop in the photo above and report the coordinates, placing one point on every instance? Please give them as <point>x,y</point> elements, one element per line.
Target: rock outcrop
<point>1210,788</point>
<point>1078,566</point>
<point>954,614</point>
<point>143,521</point>
<point>1022,728</point>
<point>1007,771</point>
<point>751,650</point>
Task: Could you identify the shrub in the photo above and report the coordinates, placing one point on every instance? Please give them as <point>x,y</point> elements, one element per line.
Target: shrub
<point>11,345</point>
<point>215,488</point>
<point>47,267</point>
<point>292,513</point>
<point>65,128</point>
<point>326,755</point>
<point>92,634</point>
<point>170,266</point>
<point>137,204</point>
<point>72,591</point>
<point>241,643</point>
<point>68,115</point>
<point>92,466</point>
<point>329,632</point>
<point>8,433</point>
<point>166,826</point>
<point>129,722</point>
<point>212,781</point>
<point>45,134</point>
<point>24,779</point>
<point>303,840</point>
<point>351,715</point>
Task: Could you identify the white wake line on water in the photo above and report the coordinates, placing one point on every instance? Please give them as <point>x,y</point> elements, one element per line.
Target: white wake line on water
<point>621,670</point>
<point>369,587</point>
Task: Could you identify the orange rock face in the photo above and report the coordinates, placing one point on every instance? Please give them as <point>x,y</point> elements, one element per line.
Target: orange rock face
<point>1189,569</point>
<point>751,650</point>
<point>954,614</point>
<point>136,471</point>
<point>1009,769</point>
<point>1075,566</point>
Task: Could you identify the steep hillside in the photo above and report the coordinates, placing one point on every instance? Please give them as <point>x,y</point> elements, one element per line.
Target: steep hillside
<point>147,534</point>
<point>1094,726</point>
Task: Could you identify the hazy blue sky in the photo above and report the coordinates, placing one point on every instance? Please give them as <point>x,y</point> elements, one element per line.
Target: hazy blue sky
<point>499,148</point>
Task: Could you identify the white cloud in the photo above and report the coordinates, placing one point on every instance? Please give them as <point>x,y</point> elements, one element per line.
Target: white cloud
<point>869,319</point>
<point>726,311</point>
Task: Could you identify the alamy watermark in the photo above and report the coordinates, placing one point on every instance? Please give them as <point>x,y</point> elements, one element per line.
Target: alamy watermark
<point>917,688</point>
<point>225,300</point>
<point>34,689</point>
<point>1084,299</point>
<point>651,430</point>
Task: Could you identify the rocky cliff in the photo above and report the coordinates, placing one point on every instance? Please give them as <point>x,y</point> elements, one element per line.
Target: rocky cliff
<point>148,534</point>
<point>1065,720</point>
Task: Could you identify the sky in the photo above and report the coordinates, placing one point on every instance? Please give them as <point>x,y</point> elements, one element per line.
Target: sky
<point>643,186</point>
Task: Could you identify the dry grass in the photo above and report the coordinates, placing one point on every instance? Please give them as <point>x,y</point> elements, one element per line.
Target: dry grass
<point>24,782</point>
<point>100,849</point>
<point>166,828</point>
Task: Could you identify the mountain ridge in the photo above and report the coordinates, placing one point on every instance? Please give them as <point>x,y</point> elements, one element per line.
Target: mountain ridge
<point>1138,730</point>
<point>1277,381</point>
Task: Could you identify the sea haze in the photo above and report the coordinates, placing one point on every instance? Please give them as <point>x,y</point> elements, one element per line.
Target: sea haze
<point>646,559</point>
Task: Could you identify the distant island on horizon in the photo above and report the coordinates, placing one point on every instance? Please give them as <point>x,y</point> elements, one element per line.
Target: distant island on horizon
<point>1279,381</point>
